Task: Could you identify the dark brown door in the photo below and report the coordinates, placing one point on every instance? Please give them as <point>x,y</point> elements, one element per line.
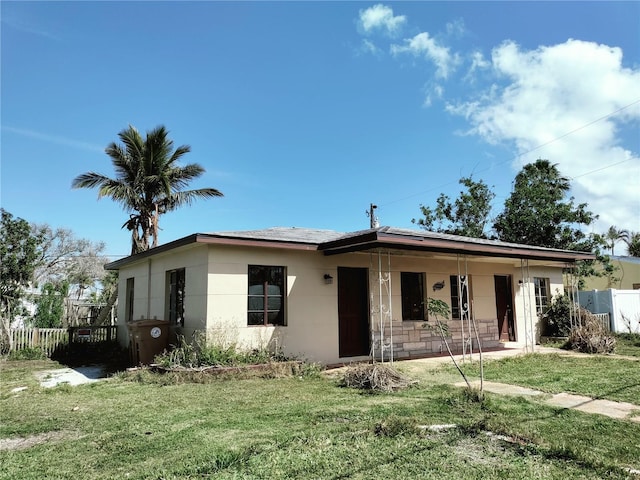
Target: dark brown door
<point>353,311</point>
<point>504,308</point>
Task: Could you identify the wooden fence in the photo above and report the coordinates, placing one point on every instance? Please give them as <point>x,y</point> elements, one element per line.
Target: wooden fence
<point>49,339</point>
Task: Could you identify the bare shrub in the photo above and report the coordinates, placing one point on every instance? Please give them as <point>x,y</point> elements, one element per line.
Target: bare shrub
<point>375,377</point>
<point>591,337</point>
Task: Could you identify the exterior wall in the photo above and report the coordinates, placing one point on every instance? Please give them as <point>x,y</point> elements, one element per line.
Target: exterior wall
<point>311,309</point>
<point>216,290</point>
<point>412,338</point>
<point>524,293</point>
<point>626,277</point>
<point>150,298</point>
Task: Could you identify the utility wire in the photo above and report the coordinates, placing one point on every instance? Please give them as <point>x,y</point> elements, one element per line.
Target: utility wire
<point>528,152</point>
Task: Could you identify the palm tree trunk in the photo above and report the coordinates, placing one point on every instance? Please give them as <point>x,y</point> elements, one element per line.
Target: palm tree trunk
<point>106,310</point>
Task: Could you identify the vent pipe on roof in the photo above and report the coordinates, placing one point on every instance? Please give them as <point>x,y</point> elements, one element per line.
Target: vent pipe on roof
<point>373,220</point>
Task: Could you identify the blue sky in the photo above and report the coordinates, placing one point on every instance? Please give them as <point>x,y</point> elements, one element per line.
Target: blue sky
<point>303,113</point>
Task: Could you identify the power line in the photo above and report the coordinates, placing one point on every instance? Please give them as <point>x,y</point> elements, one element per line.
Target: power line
<point>601,168</point>
<point>528,152</point>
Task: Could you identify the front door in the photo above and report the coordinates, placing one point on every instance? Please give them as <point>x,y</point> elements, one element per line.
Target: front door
<point>353,311</point>
<point>504,308</point>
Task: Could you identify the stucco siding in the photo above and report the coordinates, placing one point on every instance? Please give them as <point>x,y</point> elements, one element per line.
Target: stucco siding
<point>216,297</point>
<point>311,305</point>
<point>151,297</point>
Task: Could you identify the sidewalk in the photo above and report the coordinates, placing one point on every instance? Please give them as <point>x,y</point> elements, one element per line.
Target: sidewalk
<point>510,350</point>
<point>620,410</point>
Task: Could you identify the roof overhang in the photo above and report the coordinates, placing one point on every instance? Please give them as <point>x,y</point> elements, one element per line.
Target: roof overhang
<point>209,238</point>
<point>371,240</point>
<point>368,240</point>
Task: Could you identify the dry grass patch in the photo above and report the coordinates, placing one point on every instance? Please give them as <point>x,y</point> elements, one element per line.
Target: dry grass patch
<point>22,443</point>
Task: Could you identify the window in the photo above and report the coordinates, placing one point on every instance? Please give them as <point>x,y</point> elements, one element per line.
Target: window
<point>128,316</point>
<point>175,296</point>
<point>541,287</point>
<point>412,287</point>
<point>456,304</point>
<point>266,295</point>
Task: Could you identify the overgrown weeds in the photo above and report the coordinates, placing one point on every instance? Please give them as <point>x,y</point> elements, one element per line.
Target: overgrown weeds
<point>203,352</point>
<point>27,353</point>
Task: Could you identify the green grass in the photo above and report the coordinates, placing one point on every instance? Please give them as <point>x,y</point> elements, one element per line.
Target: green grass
<point>598,376</point>
<point>300,428</point>
<point>628,344</point>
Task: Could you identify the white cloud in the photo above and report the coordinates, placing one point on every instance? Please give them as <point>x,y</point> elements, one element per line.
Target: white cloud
<point>456,28</point>
<point>433,92</point>
<point>478,62</point>
<point>424,45</point>
<point>54,139</point>
<point>369,47</point>
<point>380,17</point>
<point>544,94</point>
<point>27,28</point>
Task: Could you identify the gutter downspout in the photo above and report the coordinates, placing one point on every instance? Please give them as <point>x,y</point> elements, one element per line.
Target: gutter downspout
<point>149,289</point>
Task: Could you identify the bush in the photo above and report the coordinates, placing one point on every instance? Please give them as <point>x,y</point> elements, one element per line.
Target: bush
<point>591,337</point>
<point>27,353</point>
<point>557,317</point>
<point>207,353</point>
<point>375,377</point>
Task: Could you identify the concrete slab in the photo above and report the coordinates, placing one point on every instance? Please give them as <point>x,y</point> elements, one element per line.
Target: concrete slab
<point>71,376</point>
<point>504,389</point>
<point>603,407</point>
<point>620,410</point>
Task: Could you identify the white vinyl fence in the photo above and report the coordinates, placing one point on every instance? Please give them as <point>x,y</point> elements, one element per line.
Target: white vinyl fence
<point>623,307</point>
<point>45,338</point>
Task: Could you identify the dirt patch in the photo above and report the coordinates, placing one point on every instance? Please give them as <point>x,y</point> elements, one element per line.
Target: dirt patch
<point>22,443</point>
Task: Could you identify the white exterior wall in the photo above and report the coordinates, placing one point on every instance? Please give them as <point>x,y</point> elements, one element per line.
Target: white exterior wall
<point>524,293</point>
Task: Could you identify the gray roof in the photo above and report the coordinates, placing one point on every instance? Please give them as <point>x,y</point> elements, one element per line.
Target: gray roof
<point>310,236</point>
<point>332,243</point>
<point>313,236</point>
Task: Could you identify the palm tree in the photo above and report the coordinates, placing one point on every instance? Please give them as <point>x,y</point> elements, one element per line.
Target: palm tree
<point>148,182</point>
<point>633,244</point>
<point>614,234</point>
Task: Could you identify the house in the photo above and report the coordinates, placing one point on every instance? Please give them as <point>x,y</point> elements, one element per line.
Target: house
<point>334,297</point>
<point>625,277</point>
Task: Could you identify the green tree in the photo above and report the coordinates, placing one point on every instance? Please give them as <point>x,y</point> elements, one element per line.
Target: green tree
<point>538,213</point>
<point>50,305</point>
<point>468,216</point>
<point>633,244</point>
<point>148,183</point>
<point>18,260</point>
<point>613,235</point>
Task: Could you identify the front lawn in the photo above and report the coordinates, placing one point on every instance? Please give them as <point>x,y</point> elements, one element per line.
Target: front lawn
<point>300,428</point>
<point>598,376</point>
<point>628,344</point>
